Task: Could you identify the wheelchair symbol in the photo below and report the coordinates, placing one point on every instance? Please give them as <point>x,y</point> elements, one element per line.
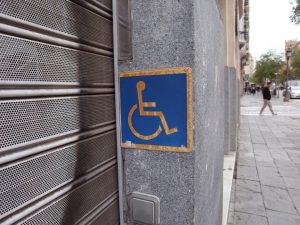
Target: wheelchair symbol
<point>140,87</point>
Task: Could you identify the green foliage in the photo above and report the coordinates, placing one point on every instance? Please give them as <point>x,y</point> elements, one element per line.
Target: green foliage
<point>282,78</point>
<point>295,65</point>
<point>295,17</point>
<point>268,64</point>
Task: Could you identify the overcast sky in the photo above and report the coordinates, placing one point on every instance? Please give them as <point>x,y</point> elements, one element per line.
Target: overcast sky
<point>270,26</point>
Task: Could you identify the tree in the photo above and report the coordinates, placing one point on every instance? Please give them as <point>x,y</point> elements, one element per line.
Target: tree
<point>268,64</point>
<point>295,17</point>
<point>295,65</point>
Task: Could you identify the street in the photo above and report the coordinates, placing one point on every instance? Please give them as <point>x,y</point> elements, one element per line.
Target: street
<point>266,188</point>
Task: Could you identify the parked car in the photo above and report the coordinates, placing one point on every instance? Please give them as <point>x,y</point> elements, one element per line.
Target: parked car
<point>294,91</point>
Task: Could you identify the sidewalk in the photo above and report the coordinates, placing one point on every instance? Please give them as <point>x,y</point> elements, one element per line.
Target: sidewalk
<point>266,190</point>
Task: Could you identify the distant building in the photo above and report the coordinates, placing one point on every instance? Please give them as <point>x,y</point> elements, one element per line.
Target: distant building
<point>292,44</point>
<point>244,46</point>
<point>249,69</point>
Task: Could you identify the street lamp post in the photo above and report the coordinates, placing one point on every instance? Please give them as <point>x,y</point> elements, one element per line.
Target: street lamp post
<point>288,54</point>
<point>276,76</point>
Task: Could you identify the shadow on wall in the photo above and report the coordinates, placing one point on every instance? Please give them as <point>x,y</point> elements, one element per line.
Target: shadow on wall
<point>90,155</point>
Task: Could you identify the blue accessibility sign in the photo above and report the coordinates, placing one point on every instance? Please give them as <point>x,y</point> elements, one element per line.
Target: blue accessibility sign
<point>156,109</point>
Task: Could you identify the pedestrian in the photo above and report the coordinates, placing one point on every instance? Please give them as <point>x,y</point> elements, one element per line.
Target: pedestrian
<point>253,90</point>
<point>267,98</point>
<point>249,90</point>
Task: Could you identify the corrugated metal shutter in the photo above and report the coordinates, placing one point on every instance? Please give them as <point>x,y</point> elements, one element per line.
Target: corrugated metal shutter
<point>58,154</point>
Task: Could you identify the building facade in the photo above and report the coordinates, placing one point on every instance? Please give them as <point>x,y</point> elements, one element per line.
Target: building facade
<point>176,34</point>
<point>292,44</point>
<point>60,155</point>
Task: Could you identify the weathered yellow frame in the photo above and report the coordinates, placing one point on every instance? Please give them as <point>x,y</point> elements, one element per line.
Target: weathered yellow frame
<point>186,70</point>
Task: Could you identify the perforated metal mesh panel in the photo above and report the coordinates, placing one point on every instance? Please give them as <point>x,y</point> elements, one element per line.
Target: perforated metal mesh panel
<point>125,30</point>
<point>74,206</point>
<point>38,62</point>
<point>107,3</point>
<point>109,216</point>
<point>62,15</point>
<point>58,152</point>
<point>25,121</point>
<point>28,179</point>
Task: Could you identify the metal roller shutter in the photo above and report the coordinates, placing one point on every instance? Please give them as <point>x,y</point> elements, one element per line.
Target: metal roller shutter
<point>58,153</point>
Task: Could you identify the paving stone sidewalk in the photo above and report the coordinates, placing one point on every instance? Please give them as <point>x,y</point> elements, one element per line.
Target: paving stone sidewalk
<point>266,190</point>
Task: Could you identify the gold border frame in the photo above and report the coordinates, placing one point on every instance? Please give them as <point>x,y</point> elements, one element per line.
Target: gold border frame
<point>186,70</point>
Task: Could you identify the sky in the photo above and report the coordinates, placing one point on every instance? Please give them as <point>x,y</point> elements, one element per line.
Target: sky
<point>270,26</point>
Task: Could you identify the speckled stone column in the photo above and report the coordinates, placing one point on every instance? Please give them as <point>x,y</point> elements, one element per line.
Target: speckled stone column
<point>189,33</point>
<point>233,108</point>
<point>238,94</point>
<point>226,111</point>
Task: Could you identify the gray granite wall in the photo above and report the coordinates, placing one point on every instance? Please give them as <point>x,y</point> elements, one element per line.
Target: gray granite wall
<point>238,95</point>
<point>208,112</point>
<point>233,87</point>
<point>226,111</point>
<point>189,33</point>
